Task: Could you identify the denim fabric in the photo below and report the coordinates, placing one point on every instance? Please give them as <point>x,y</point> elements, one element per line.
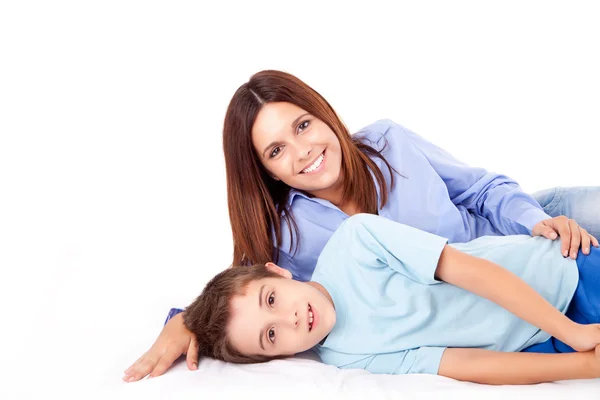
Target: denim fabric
<point>581,203</point>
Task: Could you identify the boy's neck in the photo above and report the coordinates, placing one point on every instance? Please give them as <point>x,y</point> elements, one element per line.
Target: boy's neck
<point>322,289</point>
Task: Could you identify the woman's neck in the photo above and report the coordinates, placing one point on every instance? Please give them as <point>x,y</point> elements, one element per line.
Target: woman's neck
<point>335,195</point>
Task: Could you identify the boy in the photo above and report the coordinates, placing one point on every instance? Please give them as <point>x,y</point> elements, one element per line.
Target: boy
<point>393,299</point>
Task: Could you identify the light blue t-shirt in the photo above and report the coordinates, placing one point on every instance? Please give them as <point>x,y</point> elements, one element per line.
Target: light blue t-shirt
<point>434,192</point>
<point>394,317</point>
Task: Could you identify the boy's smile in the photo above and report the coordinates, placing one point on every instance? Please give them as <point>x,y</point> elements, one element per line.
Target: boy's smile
<point>278,316</point>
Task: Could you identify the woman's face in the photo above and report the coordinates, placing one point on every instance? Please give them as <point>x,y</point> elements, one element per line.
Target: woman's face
<point>297,148</point>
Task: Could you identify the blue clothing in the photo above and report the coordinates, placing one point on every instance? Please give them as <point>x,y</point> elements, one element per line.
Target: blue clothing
<point>581,203</point>
<point>435,193</point>
<point>394,317</point>
<point>585,306</point>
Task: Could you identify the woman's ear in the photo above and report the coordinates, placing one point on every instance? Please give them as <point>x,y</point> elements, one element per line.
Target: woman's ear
<point>278,270</point>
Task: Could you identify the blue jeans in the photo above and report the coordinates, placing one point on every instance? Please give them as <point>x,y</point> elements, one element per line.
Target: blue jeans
<point>580,203</point>
<point>585,305</point>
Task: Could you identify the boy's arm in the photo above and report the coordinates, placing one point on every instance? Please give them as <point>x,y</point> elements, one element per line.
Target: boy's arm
<point>506,289</point>
<point>498,368</point>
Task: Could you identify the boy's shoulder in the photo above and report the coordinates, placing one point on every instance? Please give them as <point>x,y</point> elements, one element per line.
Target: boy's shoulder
<point>350,238</point>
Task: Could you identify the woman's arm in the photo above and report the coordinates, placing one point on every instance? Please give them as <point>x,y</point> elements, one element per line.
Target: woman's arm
<point>500,199</point>
<point>498,368</point>
<point>174,340</point>
<point>504,288</point>
<point>494,196</point>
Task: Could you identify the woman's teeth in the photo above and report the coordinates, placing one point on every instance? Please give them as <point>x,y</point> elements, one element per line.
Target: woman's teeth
<point>310,318</point>
<point>314,165</point>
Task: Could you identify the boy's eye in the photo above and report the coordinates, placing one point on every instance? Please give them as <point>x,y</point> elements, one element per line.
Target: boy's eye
<point>275,151</point>
<point>271,335</point>
<point>271,299</point>
<point>303,125</point>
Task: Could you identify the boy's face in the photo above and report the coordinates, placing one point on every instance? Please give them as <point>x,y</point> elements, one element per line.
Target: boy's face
<point>280,316</point>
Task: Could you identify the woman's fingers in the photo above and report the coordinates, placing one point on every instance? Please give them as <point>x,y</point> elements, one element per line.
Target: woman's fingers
<point>165,362</point>
<point>575,238</point>
<point>140,368</point>
<point>192,355</point>
<point>586,240</point>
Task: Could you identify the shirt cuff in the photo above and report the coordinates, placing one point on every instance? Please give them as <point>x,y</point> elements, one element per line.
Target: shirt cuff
<point>531,217</point>
<point>428,360</point>
<point>173,312</point>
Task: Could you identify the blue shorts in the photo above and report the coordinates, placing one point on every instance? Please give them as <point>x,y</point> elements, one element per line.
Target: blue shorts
<point>585,306</point>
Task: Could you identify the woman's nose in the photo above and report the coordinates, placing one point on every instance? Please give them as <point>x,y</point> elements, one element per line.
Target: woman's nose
<point>304,149</point>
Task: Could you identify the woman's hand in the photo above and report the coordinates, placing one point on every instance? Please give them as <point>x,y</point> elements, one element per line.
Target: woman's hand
<point>571,235</point>
<point>174,340</point>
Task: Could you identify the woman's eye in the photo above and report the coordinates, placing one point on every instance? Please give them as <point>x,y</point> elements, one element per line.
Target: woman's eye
<point>271,299</point>
<point>272,335</point>
<point>275,151</point>
<point>303,126</point>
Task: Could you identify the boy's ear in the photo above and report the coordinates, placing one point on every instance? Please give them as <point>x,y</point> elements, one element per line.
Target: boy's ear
<point>278,270</point>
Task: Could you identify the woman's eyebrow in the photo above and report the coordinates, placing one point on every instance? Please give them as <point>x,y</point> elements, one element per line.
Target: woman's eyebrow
<point>298,119</point>
<point>268,147</point>
<point>293,124</point>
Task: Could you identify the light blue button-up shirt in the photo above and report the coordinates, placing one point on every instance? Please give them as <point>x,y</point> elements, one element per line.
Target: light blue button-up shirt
<point>433,192</point>
<point>394,317</point>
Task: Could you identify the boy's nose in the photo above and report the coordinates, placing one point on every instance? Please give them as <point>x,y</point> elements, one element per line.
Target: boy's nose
<point>293,320</point>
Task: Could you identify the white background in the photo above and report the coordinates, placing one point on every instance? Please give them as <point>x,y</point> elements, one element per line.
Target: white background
<point>112,193</point>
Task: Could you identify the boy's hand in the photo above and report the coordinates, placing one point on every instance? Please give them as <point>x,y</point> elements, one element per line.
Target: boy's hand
<point>596,362</point>
<point>174,340</point>
<point>585,337</point>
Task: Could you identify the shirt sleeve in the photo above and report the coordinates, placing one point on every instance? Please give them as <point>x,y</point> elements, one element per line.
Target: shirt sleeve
<point>285,261</point>
<point>496,197</point>
<point>423,360</point>
<point>173,312</point>
<point>378,242</point>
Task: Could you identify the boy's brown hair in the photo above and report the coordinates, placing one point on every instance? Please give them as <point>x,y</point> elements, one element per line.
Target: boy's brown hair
<point>209,315</point>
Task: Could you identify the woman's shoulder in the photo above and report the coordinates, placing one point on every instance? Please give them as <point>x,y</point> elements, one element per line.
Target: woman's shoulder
<point>381,134</point>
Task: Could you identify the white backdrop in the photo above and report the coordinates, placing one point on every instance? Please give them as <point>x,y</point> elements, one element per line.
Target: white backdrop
<point>112,194</point>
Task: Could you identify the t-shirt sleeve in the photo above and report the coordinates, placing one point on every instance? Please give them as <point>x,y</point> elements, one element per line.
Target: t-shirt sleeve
<point>377,242</point>
<point>424,360</point>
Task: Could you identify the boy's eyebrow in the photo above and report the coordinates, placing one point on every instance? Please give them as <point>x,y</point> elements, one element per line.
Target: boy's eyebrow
<point>260,334</point>
<point>260,295</point>
<point>293,124</point>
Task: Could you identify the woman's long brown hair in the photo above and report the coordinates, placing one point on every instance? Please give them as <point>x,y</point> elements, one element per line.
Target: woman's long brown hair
<point>256,201</point>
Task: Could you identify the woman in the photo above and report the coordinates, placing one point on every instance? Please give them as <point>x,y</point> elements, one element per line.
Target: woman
<point>294,173</point>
